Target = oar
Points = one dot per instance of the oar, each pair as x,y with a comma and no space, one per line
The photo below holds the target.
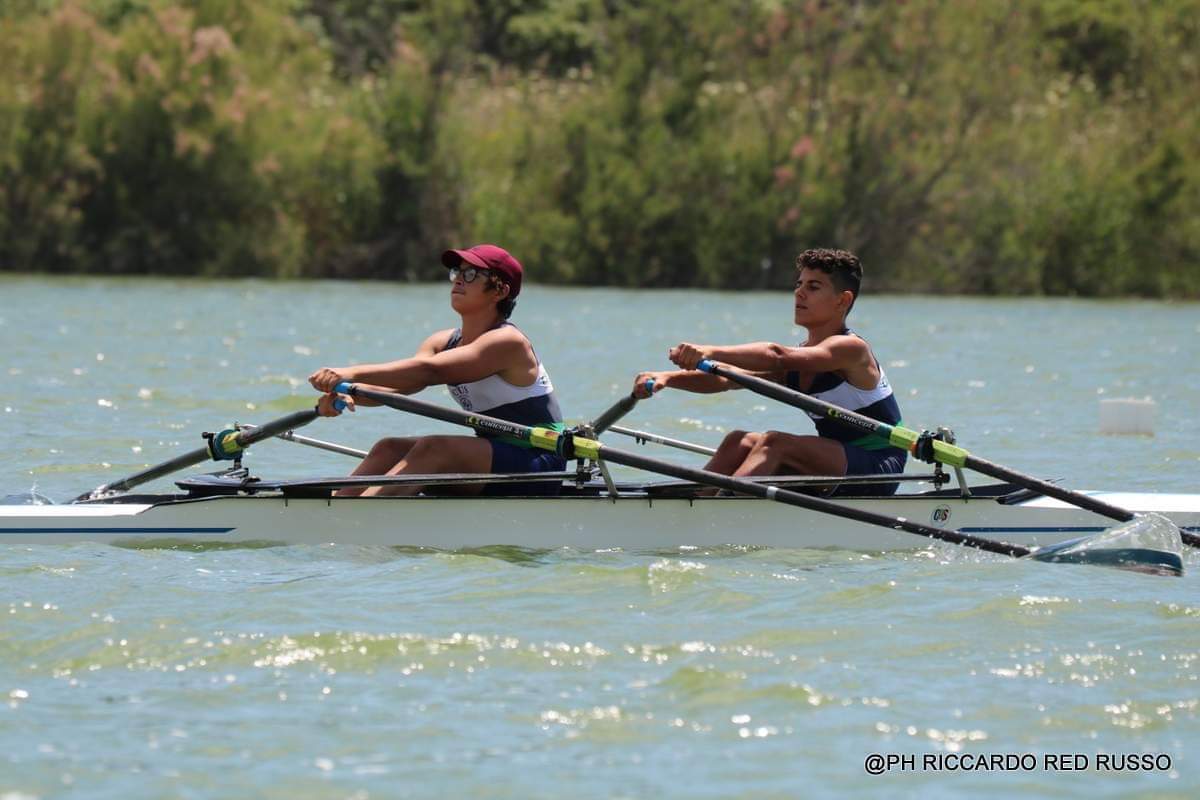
619,409
932,449
605,421
223,445
570,446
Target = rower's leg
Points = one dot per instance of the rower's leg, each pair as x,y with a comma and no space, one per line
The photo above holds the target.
430,455
384,455
733,450
778,453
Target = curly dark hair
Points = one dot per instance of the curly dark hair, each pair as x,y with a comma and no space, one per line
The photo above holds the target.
841,265
504,307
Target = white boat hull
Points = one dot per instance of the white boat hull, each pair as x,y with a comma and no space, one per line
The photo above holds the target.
585,523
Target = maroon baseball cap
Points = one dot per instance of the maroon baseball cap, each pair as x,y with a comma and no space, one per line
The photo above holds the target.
489,256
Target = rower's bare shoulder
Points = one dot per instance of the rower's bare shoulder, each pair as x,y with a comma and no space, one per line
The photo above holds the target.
436,342
509,344
849,348
505,337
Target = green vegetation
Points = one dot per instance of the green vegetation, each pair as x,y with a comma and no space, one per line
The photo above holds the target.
975,146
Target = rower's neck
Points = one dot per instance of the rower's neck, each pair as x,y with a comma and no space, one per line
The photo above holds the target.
821,332
476,325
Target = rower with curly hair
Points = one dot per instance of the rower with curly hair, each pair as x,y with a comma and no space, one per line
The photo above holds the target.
833,364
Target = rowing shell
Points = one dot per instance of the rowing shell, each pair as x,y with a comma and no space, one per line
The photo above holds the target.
634,519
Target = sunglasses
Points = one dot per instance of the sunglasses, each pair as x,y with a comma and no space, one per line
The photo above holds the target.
469,274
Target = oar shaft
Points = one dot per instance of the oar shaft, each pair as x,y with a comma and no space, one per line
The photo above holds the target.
546,439
543,438
618,410
241,440
805,501
297,419
900,437
1049,489
188,459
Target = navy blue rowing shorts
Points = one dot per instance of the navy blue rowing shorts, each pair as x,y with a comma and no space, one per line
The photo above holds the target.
508,458
888,461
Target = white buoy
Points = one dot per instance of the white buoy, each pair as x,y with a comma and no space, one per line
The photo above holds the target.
1128,415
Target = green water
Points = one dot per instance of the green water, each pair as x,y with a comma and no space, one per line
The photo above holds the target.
343,671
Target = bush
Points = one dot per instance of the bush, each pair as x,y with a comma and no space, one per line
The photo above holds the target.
976,147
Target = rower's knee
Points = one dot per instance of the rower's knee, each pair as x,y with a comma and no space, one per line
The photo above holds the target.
769,440
736,445
391,446
732,438
740,439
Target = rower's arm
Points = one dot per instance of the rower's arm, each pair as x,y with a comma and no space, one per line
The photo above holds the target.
692,381
324,379
754,356
833,354
493,352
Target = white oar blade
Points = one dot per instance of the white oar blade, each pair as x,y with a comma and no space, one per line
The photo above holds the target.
1150,543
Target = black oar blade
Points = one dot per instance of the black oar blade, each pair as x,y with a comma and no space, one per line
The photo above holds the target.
1149,543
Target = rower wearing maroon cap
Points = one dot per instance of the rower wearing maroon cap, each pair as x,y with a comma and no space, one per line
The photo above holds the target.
489,367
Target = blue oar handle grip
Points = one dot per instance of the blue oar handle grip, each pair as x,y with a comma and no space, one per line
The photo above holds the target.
344,387
649,384
706,366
